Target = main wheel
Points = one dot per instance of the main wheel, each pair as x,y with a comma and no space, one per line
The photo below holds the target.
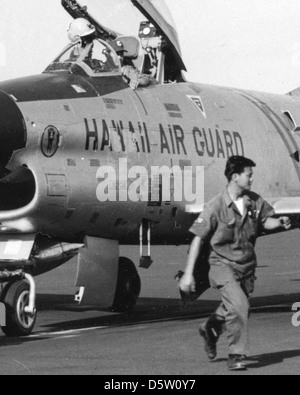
15,298
128,287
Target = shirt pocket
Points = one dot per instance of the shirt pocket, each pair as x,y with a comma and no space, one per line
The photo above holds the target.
225,233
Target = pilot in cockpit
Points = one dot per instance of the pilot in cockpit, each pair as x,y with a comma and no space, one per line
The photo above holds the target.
103,56
131,74
83,32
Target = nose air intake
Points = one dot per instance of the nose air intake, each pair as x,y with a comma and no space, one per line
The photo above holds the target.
13,134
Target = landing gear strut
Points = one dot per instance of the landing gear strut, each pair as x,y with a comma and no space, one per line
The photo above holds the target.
19,300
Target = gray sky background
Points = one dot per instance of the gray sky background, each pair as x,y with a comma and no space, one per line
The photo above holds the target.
251,44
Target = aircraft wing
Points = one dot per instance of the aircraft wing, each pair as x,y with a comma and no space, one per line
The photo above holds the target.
194,209
289,206
286,205
77,11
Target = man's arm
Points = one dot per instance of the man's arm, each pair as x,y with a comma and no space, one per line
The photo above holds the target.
203,229
187,283
268,222
277,223
134,78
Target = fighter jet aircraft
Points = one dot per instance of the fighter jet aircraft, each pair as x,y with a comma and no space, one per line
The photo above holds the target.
88,162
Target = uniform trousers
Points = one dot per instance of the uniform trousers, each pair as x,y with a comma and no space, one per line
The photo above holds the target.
233,314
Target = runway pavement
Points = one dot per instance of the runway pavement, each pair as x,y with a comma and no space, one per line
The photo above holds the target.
161,337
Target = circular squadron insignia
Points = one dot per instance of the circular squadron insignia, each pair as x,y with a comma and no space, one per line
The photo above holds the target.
50,141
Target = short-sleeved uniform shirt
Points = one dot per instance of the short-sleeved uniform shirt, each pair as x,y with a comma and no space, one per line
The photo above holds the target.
231,235
134,78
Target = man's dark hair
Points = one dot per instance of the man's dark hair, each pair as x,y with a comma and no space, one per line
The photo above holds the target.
237,165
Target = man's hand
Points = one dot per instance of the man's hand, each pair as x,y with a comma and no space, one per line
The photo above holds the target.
187,284
153,72
285,223
278,223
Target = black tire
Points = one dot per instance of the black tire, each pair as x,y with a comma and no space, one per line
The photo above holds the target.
15,297
128,287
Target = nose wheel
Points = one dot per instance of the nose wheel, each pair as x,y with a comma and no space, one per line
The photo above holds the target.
19,322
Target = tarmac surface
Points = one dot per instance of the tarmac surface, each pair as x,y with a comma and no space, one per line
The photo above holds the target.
161,337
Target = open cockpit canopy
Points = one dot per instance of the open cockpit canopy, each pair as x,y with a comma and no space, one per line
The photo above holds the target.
149,21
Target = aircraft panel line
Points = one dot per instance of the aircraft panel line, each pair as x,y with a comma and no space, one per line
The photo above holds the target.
284,139
275,115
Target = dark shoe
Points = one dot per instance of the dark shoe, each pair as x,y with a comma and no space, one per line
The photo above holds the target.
210,341
236,363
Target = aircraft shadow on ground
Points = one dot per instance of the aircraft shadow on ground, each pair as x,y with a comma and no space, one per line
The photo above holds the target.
151,310
147,309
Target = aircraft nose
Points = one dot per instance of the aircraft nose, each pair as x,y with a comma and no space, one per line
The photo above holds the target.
13,134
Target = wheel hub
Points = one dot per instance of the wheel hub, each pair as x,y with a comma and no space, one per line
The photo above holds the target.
26,320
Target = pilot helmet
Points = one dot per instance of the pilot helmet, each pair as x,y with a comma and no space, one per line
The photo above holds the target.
80,28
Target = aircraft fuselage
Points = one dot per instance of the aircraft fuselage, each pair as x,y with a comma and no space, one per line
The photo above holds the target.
75,125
